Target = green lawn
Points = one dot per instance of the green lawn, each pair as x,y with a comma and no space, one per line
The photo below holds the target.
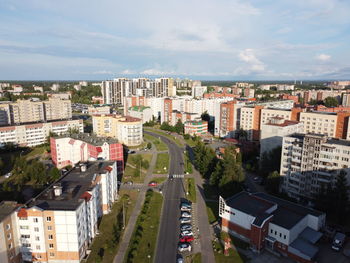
160,145
39,150
213,211
105,245
196,258
191,188
191,142
132,173
177,141
233,256
144,238
162,161
188,164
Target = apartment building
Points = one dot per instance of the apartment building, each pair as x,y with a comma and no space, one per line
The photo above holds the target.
310,162
37,133
126,129
267,222
346,100
59,225
26,111
141,112
229,121
198,91
83,147
273,131
9,240
197,128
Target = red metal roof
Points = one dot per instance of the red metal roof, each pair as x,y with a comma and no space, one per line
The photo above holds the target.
98,149
22,213
87,196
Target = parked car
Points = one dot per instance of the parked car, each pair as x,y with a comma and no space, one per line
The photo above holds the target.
186,239
186,233
184,247
129,183
185,220
185,208
185,204
185,227
131,151
338,241
179,259
8,175
152,184
186,214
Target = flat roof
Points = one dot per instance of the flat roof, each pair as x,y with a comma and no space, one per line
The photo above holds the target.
91,139
248,203
6,208
74,185
139,108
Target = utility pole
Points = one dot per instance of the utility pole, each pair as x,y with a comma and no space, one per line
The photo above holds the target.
123,215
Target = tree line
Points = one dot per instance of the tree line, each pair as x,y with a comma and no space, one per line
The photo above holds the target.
226,174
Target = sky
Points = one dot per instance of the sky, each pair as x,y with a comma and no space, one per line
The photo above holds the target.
198,39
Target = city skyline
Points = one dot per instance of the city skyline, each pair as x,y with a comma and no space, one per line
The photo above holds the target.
42,40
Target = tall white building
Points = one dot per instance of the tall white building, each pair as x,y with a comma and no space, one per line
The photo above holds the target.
310,162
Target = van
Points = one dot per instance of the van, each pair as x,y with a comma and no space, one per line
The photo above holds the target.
338,241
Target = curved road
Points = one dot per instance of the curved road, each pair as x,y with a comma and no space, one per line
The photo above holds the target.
173,191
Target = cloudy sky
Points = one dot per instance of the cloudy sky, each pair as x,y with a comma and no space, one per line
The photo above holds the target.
203,39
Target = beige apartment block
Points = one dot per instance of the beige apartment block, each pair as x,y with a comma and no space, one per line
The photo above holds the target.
319,122
126,129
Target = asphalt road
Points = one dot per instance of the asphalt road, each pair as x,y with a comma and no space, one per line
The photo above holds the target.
173,191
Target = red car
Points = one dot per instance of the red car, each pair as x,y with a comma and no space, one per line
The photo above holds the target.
186,239
152,184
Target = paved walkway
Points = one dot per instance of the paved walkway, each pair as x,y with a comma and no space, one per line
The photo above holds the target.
125,240
206,233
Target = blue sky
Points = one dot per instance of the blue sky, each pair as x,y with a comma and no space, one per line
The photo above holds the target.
202,39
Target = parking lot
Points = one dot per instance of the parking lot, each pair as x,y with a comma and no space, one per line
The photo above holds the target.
193,234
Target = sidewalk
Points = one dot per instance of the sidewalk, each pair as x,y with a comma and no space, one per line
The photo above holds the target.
124,244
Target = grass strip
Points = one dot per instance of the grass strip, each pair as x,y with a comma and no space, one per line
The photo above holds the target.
144,239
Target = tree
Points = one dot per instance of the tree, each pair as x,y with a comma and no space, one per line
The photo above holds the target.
331,102
216,176
341,197
179,127
54,174
242,134
273,183
149,145
205,116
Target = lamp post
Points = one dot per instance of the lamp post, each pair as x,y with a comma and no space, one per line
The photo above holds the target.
149,258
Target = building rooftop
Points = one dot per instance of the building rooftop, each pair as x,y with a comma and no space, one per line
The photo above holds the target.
90,139
286,215
249,204
6,208
73,185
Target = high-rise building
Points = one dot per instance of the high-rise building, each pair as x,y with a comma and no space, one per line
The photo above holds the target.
309,162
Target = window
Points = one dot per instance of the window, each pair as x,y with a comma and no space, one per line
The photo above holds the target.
275,232
8,227
10,245
38,256
35,220
280,234
24,227
271,231
49,228
25,236
37,238
50,237
9,236
285,236
50,245
48,218
52,254
23,218
37,247
36,229
26,245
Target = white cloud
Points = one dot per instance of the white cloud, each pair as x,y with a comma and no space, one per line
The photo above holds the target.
102,72
323,57
248,56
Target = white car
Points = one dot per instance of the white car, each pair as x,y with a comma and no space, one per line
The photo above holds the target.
184,247
186,227
185,220
186,233
184,208
186,214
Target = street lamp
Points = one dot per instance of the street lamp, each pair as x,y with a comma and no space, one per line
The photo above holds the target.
149,258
